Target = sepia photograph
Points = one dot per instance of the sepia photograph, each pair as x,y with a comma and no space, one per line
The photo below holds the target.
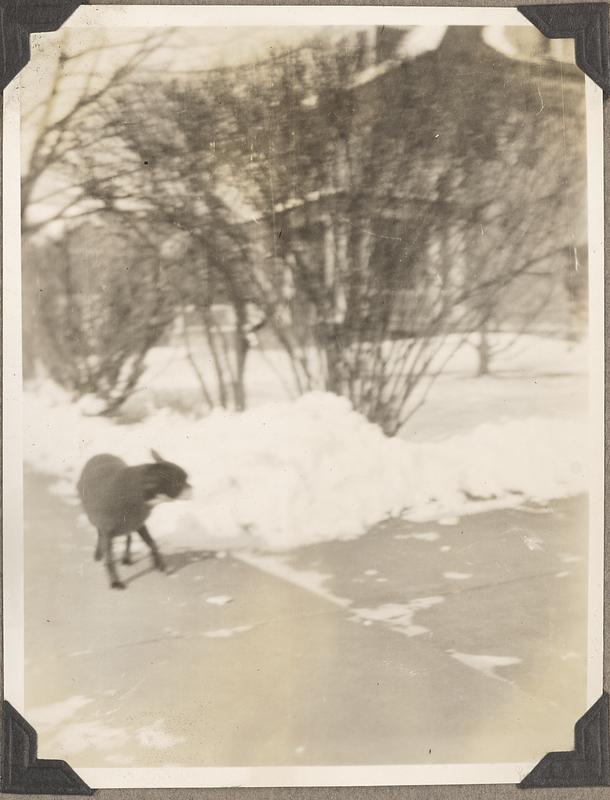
304,335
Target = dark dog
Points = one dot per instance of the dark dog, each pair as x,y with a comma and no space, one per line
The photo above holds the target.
118,499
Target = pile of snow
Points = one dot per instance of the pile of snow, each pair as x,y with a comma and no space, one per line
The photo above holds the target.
292,473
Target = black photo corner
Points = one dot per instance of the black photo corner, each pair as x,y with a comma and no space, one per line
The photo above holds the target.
22,772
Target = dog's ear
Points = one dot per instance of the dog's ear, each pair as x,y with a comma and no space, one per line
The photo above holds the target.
157,457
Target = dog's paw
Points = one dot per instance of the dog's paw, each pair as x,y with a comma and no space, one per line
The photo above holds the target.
118,585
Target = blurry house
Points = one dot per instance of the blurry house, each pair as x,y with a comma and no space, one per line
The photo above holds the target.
467,98
471,87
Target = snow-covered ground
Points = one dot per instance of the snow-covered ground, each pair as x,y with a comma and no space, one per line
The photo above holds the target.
292,472
537,376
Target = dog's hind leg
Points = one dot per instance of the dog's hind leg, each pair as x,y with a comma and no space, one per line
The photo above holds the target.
115,581
127,554
99,548
159,563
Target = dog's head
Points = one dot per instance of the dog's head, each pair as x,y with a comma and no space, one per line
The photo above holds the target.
166,481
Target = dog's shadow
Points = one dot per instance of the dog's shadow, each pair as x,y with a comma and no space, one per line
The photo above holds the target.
174,563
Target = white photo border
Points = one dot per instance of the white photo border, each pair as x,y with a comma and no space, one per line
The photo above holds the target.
13,558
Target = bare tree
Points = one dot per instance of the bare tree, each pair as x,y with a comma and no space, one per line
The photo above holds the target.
103,299
61,93
56,112
163,172
373,238
403,233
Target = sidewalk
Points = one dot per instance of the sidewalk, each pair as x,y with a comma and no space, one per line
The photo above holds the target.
425,643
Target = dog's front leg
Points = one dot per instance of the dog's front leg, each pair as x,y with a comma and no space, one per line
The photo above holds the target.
115,581
157,558
127,554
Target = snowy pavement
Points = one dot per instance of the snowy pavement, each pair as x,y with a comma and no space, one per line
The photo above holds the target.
461,640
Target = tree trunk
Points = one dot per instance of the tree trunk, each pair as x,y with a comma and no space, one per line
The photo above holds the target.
484,352
242,346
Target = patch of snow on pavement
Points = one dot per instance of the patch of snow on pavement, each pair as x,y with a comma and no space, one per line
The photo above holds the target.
155,736
533,542
570,655
399,616
485,664
310,580
226,633
95,735
219,600
427,536
48,716
566,558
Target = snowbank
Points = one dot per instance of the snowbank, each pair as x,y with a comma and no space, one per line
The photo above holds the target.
292,473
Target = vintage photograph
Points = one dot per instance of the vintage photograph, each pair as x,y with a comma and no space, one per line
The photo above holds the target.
311,443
